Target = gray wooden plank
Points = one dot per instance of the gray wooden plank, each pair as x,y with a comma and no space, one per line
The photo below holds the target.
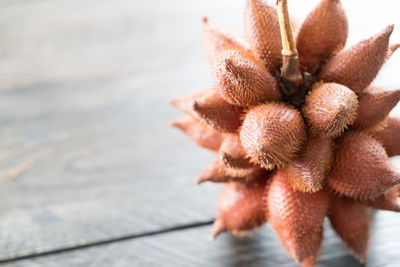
83,113
104,176
262,248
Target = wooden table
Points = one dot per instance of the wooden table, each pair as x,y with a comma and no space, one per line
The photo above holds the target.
91,175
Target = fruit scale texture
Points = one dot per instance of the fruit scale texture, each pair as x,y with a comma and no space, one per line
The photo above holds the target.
293,165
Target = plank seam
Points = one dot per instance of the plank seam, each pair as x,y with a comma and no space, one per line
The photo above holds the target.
107,241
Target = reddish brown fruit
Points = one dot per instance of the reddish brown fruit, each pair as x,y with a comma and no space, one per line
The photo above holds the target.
389,134
351,221
307,172
255,117
209,106
272,134
323,32
236,160
329,109
296,216
309,262
202,135
217,113
240,207
386,201
261,28
361,168
392,49
185,103
217,172
242,82
215,41
232,154
357,66
374,104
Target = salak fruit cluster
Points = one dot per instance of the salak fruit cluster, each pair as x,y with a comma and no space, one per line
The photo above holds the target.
292,160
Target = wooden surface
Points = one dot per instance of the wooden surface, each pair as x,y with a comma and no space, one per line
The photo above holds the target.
191,248
86,155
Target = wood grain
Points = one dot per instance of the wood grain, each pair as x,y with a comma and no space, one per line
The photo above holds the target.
191,248
84,109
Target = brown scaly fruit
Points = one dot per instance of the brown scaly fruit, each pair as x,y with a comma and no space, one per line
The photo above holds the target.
296,216
240,207
388,133
374,104
351,220
308,171
329,109
298,131
359,161
323,32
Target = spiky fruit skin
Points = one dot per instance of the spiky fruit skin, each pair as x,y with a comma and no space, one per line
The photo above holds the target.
240,207
232,153
242,82
216,41
329,109
293,158
374,104
368,56
359,160
389,135
323,32
262,33
351,220
307,173
204,136
218,113
296,216
267,144
386,201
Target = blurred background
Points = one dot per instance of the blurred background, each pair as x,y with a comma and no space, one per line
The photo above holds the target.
87,157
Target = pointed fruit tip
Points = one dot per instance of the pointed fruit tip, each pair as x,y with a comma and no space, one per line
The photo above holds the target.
389,29
175,123
308,262
393,48
173,101
202,179
228,64
196,106
181,104
218,228
362,258
204,20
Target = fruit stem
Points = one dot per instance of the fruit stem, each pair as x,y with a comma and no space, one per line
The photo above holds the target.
290,71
